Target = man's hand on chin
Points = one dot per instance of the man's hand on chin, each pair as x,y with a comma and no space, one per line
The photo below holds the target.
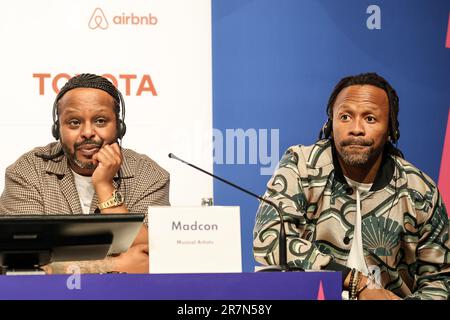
109,159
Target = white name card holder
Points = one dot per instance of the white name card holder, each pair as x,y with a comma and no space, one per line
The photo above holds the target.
194,239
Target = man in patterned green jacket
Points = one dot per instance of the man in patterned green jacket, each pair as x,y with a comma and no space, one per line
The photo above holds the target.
351,203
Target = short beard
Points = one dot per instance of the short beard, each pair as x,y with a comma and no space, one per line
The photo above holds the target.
72,157
83,165
359,159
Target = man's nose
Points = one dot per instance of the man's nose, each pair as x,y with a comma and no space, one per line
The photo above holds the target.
357,128
87,131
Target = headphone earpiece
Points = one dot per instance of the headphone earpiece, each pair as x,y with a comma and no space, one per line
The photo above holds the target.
396,136
326,129
394,132
121,126
55,125
55,130
121,129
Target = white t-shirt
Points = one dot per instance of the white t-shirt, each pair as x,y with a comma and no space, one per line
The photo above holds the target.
356,257
85,190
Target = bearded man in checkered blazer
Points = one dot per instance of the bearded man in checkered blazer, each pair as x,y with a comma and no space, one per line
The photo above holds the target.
87,172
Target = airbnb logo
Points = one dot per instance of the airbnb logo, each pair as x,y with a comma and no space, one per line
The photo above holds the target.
98,20
130,84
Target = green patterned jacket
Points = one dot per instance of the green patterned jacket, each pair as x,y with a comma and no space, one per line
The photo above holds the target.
405,226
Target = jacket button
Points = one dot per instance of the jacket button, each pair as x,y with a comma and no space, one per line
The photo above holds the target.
349,190
346,240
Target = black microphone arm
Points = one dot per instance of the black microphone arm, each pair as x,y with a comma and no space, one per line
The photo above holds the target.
282,238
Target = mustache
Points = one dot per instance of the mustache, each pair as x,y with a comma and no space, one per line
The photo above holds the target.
357,142
96,143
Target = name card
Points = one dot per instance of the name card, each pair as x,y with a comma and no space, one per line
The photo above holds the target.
194,239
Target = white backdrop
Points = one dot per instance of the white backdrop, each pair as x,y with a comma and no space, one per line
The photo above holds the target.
170,46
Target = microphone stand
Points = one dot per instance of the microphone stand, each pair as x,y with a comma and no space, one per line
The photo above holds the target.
282,238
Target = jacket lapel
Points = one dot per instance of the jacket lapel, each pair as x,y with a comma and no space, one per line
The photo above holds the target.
59,167
69,191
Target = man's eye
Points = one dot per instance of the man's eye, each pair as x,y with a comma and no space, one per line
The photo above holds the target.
74,123
370,119
100,121
345,117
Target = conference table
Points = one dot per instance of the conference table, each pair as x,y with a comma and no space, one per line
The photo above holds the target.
205,286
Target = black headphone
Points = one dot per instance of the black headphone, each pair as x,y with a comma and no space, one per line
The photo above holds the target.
394,132
121,126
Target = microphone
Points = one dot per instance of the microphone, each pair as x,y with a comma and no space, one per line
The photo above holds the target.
282,238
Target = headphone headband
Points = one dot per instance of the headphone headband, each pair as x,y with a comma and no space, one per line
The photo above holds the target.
394,133
86,81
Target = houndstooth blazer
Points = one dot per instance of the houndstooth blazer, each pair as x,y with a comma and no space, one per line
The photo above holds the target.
34,185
